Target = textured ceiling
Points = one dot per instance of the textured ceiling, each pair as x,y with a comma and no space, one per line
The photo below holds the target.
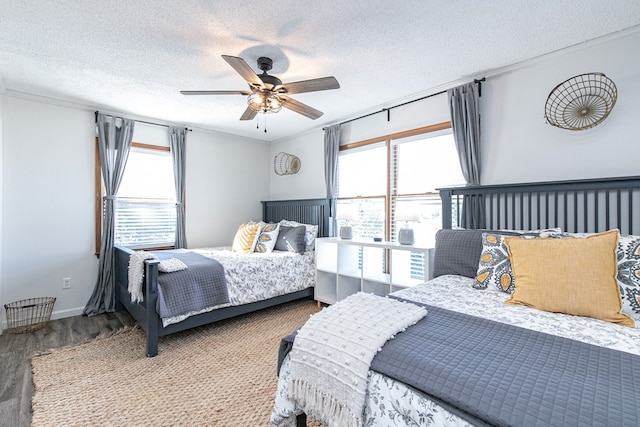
133,58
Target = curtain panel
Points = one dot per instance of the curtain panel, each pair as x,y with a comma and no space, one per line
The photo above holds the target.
331,150
465,123
177,143
115,136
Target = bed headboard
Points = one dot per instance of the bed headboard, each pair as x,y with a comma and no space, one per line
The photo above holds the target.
306,211
578,206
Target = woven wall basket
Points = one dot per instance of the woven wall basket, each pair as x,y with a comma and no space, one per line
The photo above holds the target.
581,102
286,164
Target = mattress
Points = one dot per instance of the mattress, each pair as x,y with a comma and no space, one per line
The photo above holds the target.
390,402
257,276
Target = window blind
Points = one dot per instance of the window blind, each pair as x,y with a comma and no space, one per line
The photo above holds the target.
144,223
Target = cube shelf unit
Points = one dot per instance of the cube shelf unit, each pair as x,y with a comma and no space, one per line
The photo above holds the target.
345,267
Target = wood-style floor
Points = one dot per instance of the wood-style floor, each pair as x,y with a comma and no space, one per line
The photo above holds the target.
16,385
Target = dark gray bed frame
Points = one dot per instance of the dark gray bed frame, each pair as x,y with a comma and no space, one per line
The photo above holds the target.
578,206
307,211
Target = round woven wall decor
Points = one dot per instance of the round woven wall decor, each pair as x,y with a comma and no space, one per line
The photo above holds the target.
286,164
581,102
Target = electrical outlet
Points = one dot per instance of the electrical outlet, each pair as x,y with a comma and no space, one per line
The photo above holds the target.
66,283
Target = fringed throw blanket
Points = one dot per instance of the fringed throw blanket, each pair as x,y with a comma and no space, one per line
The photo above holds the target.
136,274
332,353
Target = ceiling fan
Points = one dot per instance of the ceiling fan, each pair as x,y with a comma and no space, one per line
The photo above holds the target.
267,93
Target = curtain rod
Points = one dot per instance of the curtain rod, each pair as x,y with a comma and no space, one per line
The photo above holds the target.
388,110
148,123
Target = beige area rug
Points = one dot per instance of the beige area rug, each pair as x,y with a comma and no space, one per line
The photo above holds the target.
218,375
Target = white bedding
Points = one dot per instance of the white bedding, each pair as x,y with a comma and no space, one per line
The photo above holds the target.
258,276
390,402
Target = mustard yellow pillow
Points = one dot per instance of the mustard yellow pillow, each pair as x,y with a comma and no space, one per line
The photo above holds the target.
245,238
573,276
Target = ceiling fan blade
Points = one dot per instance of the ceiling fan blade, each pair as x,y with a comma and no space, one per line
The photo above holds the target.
244,70
248,114
215,92
313,85
299,107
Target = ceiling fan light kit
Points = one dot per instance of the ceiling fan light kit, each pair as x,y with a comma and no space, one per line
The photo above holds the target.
264,103
581,102
267,93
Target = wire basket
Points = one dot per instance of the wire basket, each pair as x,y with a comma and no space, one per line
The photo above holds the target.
286,164
29,315
581,102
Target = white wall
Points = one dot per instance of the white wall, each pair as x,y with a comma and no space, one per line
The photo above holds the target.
48,219
517,144
308,183
226,180
48,197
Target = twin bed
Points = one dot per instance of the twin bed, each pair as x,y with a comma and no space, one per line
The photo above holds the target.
255,281
473,359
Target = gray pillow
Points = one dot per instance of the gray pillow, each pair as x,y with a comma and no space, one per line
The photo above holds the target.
291,239
457,252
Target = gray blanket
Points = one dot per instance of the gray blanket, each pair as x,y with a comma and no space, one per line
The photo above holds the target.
503,375
491,373
201,285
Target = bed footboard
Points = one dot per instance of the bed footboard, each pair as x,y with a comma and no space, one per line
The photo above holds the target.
148,319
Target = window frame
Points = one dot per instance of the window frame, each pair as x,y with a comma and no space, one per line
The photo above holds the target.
100,192
388,139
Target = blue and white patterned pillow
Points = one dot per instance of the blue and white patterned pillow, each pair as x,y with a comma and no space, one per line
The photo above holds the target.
629,275
494,267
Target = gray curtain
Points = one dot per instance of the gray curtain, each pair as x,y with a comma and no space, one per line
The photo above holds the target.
465,121
177,140
331,149
114,142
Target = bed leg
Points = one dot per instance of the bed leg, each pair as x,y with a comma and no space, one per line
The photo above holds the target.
152,346
319,305
301,420
151,296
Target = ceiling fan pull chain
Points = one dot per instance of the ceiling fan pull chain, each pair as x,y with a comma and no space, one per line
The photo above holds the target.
265,123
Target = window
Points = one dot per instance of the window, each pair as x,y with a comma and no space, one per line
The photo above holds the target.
145,206
386,179
396,176
362,183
